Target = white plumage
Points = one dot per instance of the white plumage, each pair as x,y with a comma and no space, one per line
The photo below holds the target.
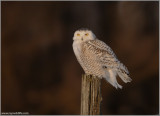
98,59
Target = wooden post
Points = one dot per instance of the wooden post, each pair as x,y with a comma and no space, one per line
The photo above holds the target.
91,95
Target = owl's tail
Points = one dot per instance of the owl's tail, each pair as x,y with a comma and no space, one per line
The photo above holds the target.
111,78
124,76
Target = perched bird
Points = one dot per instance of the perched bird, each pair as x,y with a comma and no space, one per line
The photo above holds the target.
97,58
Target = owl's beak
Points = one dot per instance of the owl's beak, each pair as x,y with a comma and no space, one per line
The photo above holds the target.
82,38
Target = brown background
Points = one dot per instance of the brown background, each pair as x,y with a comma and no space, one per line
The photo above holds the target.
40,73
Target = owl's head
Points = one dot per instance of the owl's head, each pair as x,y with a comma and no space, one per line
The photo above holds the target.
83,35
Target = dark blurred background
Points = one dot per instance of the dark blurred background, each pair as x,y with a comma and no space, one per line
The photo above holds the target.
40,73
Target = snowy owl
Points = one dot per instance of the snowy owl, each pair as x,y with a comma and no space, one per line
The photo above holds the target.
97,58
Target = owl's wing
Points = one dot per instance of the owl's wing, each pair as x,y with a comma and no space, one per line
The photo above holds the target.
106,51
104,54
101,45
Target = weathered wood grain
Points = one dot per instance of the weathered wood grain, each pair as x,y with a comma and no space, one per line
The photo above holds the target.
91,95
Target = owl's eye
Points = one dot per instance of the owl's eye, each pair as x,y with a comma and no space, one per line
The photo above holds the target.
78,34
86,34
